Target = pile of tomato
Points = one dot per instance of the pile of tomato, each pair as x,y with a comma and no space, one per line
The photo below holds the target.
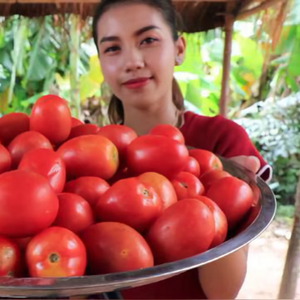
76,199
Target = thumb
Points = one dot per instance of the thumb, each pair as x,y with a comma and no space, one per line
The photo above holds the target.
252,163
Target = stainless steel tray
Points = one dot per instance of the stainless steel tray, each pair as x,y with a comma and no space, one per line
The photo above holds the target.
88,285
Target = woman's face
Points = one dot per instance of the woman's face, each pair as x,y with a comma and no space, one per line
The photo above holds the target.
137,54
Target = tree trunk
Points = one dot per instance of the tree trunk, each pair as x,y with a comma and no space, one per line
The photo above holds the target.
292,263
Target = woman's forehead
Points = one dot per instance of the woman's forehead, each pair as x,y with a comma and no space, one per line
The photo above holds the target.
128,18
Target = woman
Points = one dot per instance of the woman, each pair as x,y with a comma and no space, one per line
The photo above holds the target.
139,45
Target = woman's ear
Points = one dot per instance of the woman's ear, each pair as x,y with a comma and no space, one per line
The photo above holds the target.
180,50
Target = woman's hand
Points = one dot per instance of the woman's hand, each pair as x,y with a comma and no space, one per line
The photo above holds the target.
252,163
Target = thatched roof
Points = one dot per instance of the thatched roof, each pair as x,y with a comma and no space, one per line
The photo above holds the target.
198,15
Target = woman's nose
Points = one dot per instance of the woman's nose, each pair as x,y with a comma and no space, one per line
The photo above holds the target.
134,60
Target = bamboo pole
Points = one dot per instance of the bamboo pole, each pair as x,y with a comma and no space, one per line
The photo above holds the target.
74,65
292,263
224,98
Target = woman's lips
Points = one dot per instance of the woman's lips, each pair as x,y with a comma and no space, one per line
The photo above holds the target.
137,82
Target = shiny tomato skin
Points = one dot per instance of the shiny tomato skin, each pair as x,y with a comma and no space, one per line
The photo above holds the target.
185,229
84,129
75,122
28,197
233,196
187,185
162,186
89,188
209,177
47,163
56,252
11,125
120,135
130,202
74,213
89,155
25,142
221,225
115,247
5,160
207,160
51,117
10,258
154,153
192,167
168,131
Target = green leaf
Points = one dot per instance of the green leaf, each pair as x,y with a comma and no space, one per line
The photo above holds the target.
251,55
40,66
294,64
5,59
291,82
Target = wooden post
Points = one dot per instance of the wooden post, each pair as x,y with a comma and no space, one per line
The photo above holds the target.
292,263
224,99
74,63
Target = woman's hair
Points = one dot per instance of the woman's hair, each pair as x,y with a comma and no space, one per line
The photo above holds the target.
115,110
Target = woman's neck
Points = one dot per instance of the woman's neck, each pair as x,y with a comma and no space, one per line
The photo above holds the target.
142,121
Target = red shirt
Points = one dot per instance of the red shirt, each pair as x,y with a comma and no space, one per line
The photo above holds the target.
222,137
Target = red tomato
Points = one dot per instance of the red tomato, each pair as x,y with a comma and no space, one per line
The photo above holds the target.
84,129
221,226
120,135
154,153
25,142
90,155
56,252
75,122
162,186
192,167
47,163
185,229
74,213
115,247
168,131
187,185
89,188
10,258
211,176
11,125
233,196
51,117
28,204
5,160
207,160
130,202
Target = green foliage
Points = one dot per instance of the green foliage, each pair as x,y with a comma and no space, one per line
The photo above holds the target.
47,55
274,126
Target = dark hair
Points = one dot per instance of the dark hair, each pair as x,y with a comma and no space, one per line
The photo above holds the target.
115,110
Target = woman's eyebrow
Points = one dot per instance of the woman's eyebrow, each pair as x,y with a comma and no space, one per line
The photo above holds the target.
114,38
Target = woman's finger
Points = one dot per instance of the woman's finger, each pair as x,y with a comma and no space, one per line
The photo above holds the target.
252,163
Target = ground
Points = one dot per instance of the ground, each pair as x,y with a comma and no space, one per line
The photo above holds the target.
266,262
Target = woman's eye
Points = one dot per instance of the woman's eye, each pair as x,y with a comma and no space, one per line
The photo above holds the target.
148,41
112,49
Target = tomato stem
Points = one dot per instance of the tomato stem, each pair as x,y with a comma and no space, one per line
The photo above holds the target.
53,258
145,193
